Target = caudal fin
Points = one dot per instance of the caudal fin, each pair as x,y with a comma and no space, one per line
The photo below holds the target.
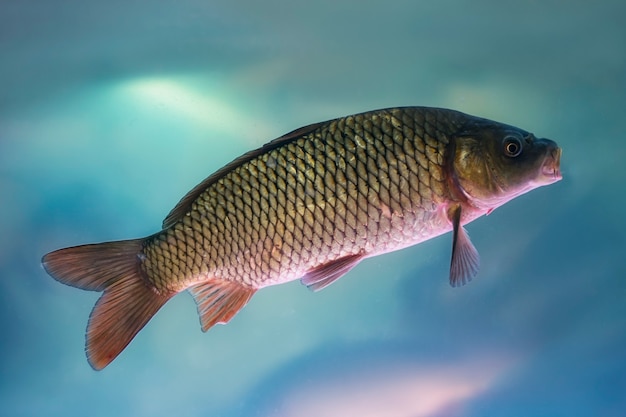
126,305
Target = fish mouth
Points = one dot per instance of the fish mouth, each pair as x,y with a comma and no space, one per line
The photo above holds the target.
551,167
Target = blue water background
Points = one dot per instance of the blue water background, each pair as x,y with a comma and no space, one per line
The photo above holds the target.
110,111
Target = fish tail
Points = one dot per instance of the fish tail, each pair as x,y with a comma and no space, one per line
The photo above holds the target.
128,301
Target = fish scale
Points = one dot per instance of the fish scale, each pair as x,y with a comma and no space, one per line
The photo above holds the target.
309,205
329,190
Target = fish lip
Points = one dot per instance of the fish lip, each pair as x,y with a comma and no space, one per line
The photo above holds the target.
551,166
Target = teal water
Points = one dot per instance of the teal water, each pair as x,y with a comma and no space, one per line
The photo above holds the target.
111,111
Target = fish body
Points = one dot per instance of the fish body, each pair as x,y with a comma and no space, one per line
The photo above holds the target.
310,205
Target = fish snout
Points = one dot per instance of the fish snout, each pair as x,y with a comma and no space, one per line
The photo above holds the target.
551,166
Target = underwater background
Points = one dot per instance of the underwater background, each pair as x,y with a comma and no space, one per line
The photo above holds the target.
111,111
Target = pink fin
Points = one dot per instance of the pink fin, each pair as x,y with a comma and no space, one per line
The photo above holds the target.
323,275
128,302
465,260
218,301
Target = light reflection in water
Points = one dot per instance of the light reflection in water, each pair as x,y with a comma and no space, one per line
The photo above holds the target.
401,389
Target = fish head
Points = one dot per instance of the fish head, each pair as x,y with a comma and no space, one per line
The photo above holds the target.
494,163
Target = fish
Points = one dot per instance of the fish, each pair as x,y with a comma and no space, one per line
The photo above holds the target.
309,205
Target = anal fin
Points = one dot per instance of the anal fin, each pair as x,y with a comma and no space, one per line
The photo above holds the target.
218,301
323,275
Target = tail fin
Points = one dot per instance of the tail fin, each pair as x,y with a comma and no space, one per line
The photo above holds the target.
128,303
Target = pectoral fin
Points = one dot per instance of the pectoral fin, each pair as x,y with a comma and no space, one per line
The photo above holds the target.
465,260
322,276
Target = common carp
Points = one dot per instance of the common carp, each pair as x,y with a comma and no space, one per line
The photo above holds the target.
309,205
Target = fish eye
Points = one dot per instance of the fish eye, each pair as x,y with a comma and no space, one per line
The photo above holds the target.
512,146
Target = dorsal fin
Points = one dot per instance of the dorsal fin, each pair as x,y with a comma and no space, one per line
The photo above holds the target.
184,205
